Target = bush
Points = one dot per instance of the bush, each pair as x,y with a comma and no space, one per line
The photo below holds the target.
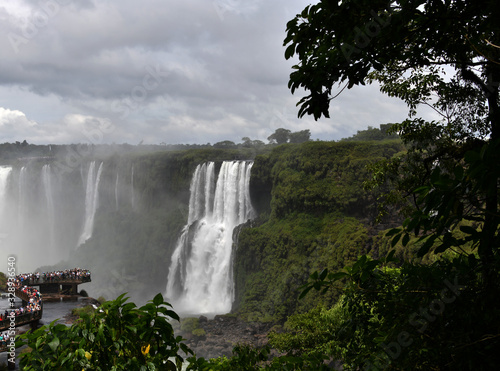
116,336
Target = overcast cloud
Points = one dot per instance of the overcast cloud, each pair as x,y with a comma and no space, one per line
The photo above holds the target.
179,71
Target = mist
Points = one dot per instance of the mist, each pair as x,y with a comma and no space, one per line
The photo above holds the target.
47,211
117,210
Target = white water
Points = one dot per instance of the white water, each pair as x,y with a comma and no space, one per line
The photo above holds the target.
4,177
116,192
132,196
91,201
47,187
200,277
23,193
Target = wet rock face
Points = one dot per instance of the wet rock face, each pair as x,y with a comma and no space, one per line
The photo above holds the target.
222,333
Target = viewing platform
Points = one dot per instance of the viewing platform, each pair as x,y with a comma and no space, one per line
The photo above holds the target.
31,288
61,287
56,286
23,319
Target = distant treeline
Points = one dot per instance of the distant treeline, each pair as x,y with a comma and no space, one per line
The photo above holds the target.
22,150
373,133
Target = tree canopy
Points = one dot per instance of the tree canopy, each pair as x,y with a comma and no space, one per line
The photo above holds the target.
344,41
444,55
281,136
409,47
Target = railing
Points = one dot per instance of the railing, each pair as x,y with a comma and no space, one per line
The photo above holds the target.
20,320
22,295
42,281
9,322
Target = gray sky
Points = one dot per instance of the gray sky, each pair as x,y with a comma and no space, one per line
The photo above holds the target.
178,71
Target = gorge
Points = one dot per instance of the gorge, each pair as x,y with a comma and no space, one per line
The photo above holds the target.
162,221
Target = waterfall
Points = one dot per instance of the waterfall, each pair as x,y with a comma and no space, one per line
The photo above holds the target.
22,195
91,201
47,187
132,195
116,191
4,178
200,276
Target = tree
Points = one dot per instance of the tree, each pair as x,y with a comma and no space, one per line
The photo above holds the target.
280,136
247,142
372,133
404,45
225,144
300,136
448,181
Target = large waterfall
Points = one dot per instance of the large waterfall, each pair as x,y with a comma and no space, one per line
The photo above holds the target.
91,201
200,276
47,186
4,228
23,194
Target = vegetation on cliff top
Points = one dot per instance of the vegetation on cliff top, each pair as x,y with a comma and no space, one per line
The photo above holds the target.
314,213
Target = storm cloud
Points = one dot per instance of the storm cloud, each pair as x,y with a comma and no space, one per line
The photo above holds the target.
190,71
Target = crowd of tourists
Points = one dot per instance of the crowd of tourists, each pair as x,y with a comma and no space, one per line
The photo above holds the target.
4,339
34,303
75,274
31,307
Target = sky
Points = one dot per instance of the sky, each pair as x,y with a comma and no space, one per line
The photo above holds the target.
153,72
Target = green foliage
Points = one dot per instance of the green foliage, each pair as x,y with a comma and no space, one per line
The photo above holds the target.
414,317
3,282
281,136
318,177
300,136
447,183
86,310
245,358
274,260
310,333
189,324
308,223
373,134
451,167
101,299
343,42
117,336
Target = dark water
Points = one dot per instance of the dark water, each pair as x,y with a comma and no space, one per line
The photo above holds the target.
51,312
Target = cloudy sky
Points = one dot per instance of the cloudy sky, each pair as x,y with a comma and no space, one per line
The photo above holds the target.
153,71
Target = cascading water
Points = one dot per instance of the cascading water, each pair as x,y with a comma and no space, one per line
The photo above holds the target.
23,193
46,213
4,177
116,192
132,193
91,201
200,276
47,187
